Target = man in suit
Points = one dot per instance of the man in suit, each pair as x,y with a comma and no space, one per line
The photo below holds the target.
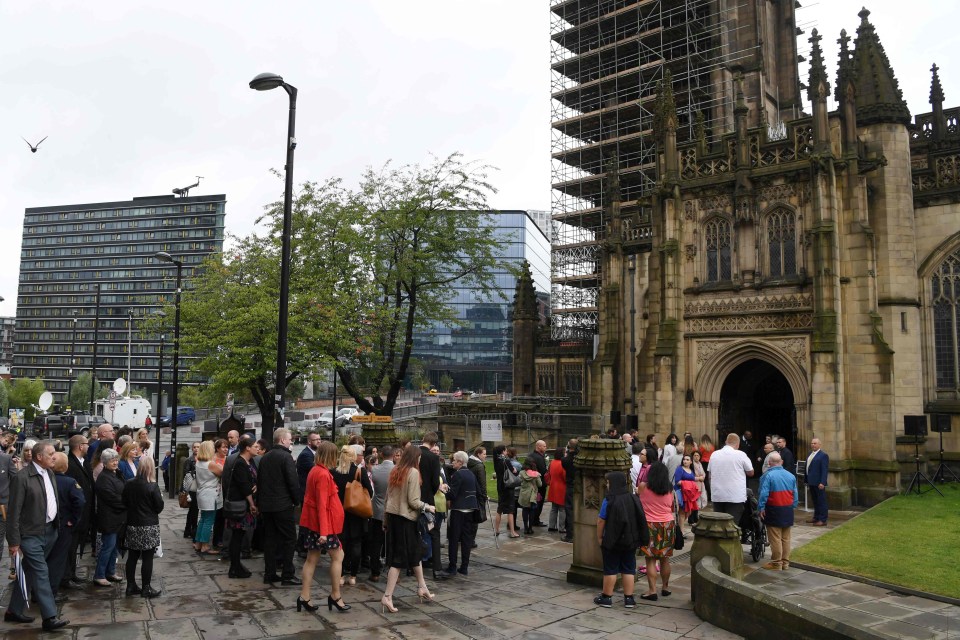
75,469
32,532
817,463
381,478
305,462
7,469
430,484
278,493
233,440
71,504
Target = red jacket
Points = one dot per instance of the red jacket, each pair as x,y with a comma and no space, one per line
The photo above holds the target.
322,509
558,483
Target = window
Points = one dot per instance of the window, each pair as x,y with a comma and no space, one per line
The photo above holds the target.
782,243
945,287
717,234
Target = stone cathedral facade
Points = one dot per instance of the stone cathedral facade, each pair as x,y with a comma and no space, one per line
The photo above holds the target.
802,280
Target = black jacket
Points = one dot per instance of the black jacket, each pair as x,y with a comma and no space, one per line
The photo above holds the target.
237,473
429,475
143,502
789,461
540,460
626,524
278,487
81,475
111,512
463,491
71,502
305,462
27,510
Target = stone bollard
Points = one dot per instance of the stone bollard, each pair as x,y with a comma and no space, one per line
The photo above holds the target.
595,459
380,434
718,536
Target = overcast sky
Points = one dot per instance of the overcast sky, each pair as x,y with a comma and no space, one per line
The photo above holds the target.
140,97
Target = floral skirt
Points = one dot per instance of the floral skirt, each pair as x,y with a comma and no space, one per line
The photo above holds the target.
661,540
313,541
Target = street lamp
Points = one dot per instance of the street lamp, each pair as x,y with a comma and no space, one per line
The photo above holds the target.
163,256
156,448
96,329
73,356
265,82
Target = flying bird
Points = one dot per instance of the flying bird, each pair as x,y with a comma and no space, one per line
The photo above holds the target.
33,147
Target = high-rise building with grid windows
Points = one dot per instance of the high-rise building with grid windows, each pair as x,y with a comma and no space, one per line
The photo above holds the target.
70,251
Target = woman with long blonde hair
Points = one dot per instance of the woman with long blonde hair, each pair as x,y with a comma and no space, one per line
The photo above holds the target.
353,525
402,509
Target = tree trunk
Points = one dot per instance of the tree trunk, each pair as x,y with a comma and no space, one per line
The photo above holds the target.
264,399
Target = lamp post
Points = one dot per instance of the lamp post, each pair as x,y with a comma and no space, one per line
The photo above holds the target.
129,346
265,82
156,448
73,356
163,256
96,329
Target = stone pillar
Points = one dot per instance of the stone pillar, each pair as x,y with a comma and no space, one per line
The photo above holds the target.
718,536
380,434
595,459
179,463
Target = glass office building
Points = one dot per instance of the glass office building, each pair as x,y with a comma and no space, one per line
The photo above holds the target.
69,252
478,354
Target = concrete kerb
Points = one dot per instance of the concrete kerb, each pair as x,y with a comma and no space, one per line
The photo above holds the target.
926,595
745,610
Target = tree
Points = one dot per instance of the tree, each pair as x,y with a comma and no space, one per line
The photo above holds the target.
445,383
4,399
418,377
427,231
80,392
24,393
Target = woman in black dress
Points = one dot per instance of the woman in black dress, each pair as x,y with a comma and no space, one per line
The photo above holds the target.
238,482
141,497
403,540
354,527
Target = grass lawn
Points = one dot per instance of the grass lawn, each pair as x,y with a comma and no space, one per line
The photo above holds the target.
491,480
908,540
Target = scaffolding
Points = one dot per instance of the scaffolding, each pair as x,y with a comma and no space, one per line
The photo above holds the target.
607,57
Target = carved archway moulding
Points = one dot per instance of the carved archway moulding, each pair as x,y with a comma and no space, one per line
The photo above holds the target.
716,360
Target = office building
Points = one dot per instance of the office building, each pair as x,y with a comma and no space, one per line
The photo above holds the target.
6,346
74,255
477,355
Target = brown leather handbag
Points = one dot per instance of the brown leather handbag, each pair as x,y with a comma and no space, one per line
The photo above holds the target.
356,500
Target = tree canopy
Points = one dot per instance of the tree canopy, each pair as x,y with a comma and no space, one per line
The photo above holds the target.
368,267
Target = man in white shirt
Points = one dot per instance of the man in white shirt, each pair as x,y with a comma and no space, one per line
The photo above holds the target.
635,464
729,470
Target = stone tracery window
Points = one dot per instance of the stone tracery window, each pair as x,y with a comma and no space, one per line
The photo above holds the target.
718,249
945,287
781,243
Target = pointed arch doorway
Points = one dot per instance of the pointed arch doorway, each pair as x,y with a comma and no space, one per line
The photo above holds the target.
757,397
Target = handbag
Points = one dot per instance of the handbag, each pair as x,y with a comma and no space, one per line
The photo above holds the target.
677,530
356,500
233,509
511,480
190,481
184,499
440,501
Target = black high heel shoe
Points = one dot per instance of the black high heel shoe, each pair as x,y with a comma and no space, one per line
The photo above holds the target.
305,604
331,603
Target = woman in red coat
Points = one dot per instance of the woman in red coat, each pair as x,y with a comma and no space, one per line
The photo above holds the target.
557,493
321,522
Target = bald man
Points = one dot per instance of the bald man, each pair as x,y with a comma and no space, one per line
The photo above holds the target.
539,457
778,499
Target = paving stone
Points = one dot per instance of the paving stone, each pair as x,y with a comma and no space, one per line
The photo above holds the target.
245,601
676,620
573,631
188,585
166,607
427,629
177,629
921,604
935,621
131,610
281,623
82,612
599,620
241,627
506,628
906,631
707,631
883,609
121,631
647,633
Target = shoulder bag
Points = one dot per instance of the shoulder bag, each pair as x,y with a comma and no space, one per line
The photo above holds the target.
677,530
356,500
511,480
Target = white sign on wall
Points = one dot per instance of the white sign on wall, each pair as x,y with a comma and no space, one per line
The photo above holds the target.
491,430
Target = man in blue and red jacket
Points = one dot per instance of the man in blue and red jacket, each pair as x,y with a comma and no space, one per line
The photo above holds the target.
778,499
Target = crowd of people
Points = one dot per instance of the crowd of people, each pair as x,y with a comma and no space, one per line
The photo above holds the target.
366,508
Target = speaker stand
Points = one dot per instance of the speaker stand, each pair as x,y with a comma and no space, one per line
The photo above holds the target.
918,478
940,475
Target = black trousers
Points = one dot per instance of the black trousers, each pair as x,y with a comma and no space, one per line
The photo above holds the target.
352,554
733,508
146,567
435,543
193,514
462,531
537,509
375,546
568,509
279,535
57,558
76,537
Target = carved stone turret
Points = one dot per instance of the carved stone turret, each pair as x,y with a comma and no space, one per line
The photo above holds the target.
879,99
936,102
525,322
592,462
846,95
817,90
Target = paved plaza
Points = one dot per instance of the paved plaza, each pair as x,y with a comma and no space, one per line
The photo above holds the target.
516,591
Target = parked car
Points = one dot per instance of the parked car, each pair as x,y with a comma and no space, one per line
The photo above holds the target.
325,419
344,415
185,415
55,425
84,423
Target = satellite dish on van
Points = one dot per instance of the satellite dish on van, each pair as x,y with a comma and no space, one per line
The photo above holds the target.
119,385
46,400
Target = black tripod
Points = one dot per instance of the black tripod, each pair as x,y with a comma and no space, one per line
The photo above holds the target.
943,470
918,477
